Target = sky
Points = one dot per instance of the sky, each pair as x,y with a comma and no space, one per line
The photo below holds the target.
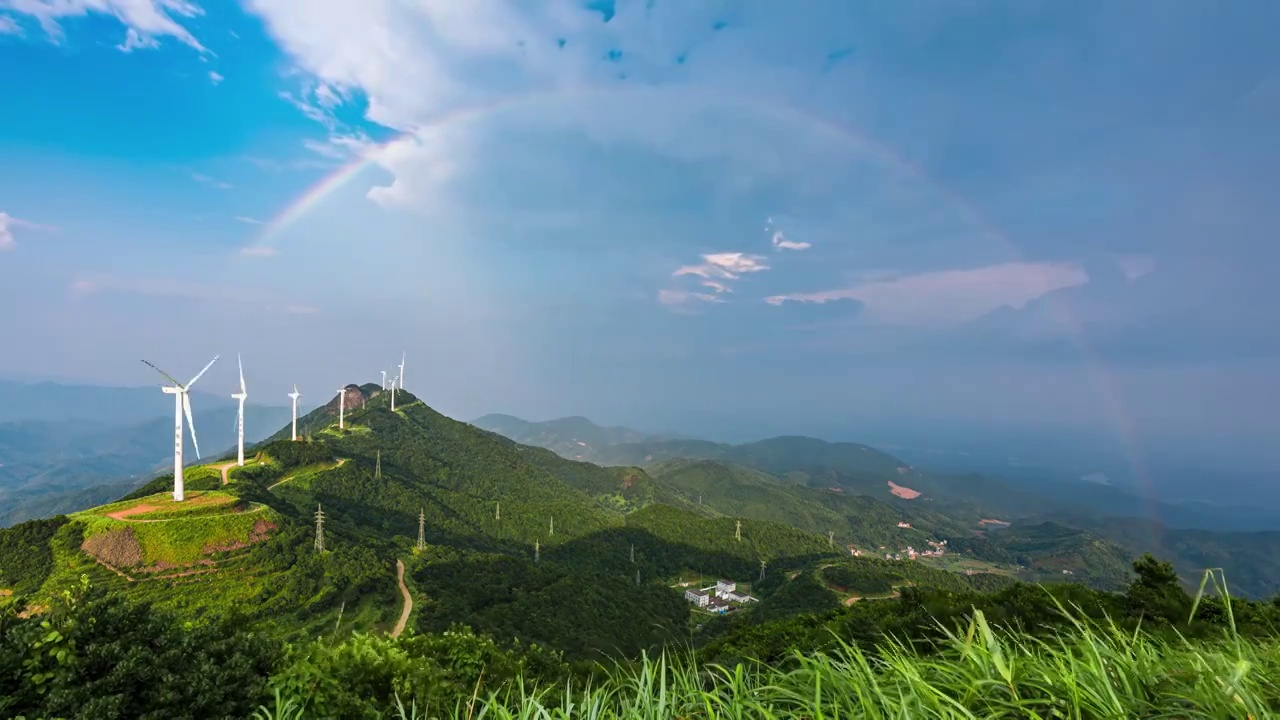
730,219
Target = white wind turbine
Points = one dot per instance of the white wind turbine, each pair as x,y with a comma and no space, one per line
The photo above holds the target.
393,393
342,406
241,396
400,377
384,379
181,406
294,395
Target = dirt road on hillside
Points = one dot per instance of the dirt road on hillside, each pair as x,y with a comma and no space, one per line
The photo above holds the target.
224,469
408,601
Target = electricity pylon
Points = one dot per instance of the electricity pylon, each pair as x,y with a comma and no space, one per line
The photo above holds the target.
319,529
422,530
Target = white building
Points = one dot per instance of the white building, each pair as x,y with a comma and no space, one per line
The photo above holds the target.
725,587
697,597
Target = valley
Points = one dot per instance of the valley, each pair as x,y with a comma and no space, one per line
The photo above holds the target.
538,550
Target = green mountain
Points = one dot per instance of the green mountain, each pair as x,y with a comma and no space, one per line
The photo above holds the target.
515,536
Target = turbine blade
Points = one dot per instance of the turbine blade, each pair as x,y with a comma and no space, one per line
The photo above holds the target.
191,424
241,365
165,374
206,367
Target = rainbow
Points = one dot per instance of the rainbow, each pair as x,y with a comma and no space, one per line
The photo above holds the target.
1104,381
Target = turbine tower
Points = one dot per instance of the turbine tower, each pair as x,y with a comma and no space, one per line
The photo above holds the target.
393,393
241,396
181,406
384,379
400,377
342,406
294,396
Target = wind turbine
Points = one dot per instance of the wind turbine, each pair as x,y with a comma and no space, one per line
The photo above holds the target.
342,406
400,377
295,395
393,393
181,406
241,396
384,379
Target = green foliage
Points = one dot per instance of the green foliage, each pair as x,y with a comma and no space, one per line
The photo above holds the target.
1085,669
579,609
25,556
845,579
97,655
1156,594
365,675
200,477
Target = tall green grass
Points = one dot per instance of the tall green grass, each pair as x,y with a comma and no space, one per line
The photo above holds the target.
1085,670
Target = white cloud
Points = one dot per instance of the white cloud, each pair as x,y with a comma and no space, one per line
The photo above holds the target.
950,296
717,272
680,297
258,251
340,146
780,242
134,41
727,265
8,222
248,220
6,235
214,77
327,96
211,182
9,26
1135,266
144,20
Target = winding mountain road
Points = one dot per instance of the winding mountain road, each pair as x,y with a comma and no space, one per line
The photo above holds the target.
408,601
224,469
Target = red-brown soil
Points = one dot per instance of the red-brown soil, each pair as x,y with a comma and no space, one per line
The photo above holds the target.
902,491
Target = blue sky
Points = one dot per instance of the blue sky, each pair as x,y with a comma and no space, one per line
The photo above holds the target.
727,218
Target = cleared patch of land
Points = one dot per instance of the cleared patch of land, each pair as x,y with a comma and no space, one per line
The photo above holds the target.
135,510
987,521
902,491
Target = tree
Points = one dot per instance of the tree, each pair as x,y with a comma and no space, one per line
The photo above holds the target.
1156,593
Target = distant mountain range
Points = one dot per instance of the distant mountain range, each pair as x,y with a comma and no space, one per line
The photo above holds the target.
576,438
67,447
1193,536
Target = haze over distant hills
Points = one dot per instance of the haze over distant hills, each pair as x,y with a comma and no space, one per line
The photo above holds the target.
67,447
573,437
